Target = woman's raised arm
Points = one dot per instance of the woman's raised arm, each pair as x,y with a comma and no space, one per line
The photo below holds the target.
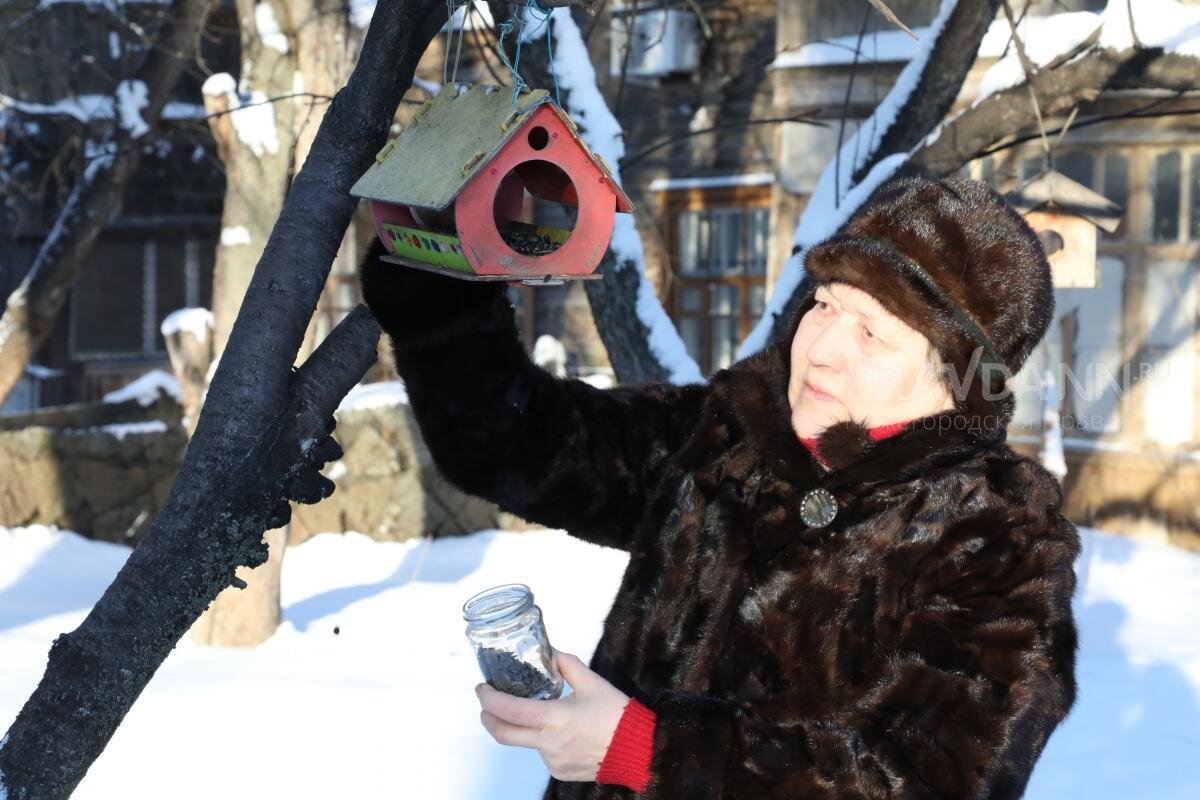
555,451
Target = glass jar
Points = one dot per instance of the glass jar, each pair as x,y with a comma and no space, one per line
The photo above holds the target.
506,630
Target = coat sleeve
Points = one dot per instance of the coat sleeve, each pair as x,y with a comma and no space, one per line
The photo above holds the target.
961,708
558,452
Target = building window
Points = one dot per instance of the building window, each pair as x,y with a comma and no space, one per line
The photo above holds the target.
1168,361
1165,197
129,288
1175,197
1088,371
1115,186
720,286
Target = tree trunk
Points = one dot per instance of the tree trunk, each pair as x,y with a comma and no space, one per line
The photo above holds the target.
258,167
259,442
256,143
249,616
282,59
939,84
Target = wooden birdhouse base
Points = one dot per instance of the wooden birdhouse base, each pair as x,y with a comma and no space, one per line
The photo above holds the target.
541,280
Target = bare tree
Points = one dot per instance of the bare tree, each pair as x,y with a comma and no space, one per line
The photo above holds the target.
260,440
1077,76
31,310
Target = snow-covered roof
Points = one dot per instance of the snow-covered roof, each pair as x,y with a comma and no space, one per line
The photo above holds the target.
1168,24
713,181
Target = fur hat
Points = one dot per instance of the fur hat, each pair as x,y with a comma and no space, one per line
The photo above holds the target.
955,262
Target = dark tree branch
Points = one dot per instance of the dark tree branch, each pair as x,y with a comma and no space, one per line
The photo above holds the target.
837,164
261,438
1090,121
1058,88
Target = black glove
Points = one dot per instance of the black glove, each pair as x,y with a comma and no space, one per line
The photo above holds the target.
414,303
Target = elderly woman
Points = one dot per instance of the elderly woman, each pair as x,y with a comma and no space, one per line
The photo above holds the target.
842,582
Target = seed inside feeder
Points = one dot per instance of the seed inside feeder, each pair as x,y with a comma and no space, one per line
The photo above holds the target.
529,240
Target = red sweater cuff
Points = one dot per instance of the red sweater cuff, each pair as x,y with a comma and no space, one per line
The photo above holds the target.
627,761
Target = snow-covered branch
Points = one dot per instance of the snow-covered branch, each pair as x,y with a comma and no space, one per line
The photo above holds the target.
1076,56
1079,56
880,145
658,352
135,108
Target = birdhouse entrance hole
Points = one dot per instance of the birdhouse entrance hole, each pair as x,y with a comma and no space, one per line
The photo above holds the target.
539,138
536,206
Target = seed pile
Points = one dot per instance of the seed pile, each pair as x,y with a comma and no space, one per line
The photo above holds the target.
507,673
529,244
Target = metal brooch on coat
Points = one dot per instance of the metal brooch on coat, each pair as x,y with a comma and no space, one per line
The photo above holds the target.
818,508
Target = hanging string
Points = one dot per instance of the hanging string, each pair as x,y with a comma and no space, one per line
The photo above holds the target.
1030,70
449,35
530,8
452,8
518,83
462,34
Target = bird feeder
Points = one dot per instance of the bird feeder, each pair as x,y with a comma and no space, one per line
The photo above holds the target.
472,188
1065,215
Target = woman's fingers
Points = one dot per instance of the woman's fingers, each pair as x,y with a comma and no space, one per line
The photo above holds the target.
522,711
573,670
507,733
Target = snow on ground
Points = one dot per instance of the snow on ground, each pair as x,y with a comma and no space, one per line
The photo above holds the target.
385,707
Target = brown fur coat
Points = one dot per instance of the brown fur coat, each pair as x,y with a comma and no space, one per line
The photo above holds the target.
921,645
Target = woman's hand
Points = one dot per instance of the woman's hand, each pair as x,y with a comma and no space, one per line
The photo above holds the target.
572,734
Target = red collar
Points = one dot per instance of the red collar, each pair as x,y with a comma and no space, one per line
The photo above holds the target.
876,433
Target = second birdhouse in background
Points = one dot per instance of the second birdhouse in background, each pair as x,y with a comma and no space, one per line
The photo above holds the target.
482,189
1065,215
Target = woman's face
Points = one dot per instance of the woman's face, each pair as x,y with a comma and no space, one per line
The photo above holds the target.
852,359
